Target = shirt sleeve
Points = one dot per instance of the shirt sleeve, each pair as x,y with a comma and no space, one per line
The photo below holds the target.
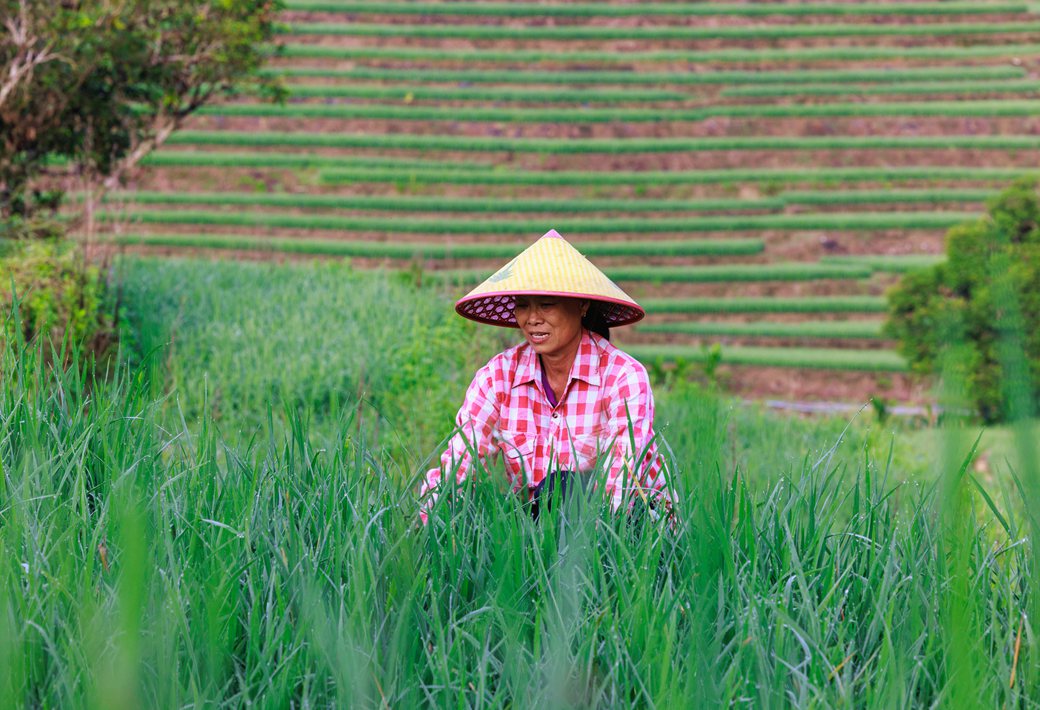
475,422
635,466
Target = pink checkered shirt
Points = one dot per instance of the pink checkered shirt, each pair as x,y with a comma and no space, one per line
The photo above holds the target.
506,410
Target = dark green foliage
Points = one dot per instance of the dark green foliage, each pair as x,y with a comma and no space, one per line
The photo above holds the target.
962,300
102,83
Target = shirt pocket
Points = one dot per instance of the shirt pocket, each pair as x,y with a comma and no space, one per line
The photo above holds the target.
586,450
518,454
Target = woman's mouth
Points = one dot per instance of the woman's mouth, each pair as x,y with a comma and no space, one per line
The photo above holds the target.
538,338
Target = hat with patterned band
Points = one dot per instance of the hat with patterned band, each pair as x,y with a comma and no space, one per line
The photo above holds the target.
549,267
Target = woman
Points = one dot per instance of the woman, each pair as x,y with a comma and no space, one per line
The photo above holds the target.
565,401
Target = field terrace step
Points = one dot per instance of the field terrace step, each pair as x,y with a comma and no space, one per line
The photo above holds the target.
425,251
420,203
993,86
893,263
731,78
422,92
562,33
562,114
801,271
602,145
656,9
299,161
830,221
836,330
770,304
832,176
425,203
808,358
525,57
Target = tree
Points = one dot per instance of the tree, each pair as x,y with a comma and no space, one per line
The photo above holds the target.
984,300
96,85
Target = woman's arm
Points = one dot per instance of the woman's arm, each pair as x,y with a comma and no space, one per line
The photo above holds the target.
475,423
635,466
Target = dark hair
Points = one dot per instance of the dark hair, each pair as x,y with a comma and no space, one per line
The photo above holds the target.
595,321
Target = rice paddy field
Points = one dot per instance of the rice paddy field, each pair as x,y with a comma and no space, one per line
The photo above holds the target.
788,151
223,513
226,516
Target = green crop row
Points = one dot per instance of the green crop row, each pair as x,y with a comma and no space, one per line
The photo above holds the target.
688,9
739,55
299,161
818,176
684,78
380,169
767,304
888,262
622,114
406,141
763,90
724,223
471,93
436,203
865,329
604,145
714,273
810,358
874,197
414,250
660,32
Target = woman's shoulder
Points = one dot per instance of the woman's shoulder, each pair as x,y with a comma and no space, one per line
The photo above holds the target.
616,361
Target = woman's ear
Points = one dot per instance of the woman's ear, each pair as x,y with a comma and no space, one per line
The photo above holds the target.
584,307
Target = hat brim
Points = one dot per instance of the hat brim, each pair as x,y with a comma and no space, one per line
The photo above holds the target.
496,307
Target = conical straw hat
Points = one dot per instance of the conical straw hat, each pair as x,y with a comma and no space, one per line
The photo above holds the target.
549,267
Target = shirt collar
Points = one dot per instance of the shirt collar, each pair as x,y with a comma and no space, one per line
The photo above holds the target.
585,367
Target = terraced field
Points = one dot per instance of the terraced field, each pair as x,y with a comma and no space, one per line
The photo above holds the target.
756,173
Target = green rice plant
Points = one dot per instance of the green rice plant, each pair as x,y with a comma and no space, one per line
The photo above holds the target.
622,114
767,304
295,161
584,9
736,55
846,329
808,358
853,221
437,203
714,273
935,196
822,176
611,146
417,250
893,263
469,93
961,86
800,77
151,559
693,32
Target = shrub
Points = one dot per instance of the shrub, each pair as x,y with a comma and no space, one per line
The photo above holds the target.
986,294
60,299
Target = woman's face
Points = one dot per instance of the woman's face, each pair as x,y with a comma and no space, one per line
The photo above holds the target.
551,324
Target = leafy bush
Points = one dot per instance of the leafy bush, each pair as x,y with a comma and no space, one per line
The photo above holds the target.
59,297
986,294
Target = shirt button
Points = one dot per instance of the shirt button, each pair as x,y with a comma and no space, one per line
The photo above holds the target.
556,415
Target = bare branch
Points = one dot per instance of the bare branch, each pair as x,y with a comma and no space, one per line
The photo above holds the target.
27,55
